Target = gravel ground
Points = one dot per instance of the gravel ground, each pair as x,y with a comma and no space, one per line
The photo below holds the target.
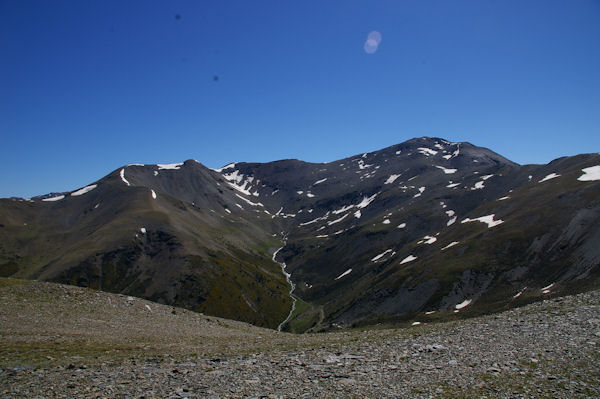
61,341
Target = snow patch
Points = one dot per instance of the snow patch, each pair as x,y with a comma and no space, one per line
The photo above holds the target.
427,240
391,179
463,304
57,198
122,174
143,230
169,166
381,255
319,181
357,214
402,225
453,243
451,221
549,177
337,220
452,185
343,209
421,190
590,174
228,166
84,190
366,201
426,151
488,219
343,274
503,198
446,170
249,202
153,194
409,258
386,221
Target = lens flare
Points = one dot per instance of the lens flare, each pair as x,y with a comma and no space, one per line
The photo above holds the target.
372,42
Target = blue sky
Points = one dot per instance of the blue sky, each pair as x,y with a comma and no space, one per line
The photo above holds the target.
88,86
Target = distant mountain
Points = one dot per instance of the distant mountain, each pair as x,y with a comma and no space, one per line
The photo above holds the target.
426,228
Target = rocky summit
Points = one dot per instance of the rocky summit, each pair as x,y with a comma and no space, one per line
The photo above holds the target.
424,231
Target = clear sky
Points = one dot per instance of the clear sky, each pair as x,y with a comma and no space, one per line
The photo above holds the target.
88,86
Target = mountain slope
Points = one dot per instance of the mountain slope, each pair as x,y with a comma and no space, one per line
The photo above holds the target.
426,228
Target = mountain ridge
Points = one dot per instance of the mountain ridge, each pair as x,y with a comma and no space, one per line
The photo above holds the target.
417,227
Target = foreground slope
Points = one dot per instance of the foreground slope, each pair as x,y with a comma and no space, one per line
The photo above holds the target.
425,229
67,341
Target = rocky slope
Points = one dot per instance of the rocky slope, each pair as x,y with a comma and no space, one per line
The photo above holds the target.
426,229
65,341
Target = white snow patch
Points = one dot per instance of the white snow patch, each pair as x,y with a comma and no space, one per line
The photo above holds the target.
409,258
453,243
447,157
402,225
57,198
362,165
549,177
169,166
84,190
228,166
398,152
488,219
386,221
391,179
299,192
546,288
430,312
503,198
143,230
452,185
486,177
227,210
451,221
416,323
343,209
478,186
343,274
310,195
357,214
381,255
590,174
450,213
249,202
122,174
518,294
319,181
421,190
426,151
463,304
427,240
153,194
446,170
337,220
156,173
366,201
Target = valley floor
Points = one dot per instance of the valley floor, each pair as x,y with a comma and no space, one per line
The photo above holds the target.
61,341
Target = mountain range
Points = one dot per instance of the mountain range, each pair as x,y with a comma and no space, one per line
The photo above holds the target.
424,230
